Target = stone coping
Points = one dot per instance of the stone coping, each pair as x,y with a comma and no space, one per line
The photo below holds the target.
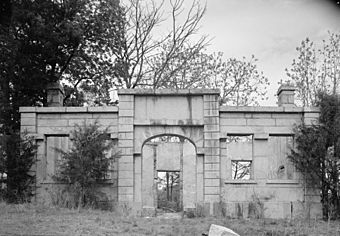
259,109
231,109
106,109
168,92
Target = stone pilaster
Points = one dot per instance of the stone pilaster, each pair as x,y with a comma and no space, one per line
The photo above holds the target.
28,122
125,145
212,165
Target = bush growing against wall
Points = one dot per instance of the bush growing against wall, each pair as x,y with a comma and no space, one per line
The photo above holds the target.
317,154
86,164
18,154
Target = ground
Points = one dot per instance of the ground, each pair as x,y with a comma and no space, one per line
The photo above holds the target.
38,220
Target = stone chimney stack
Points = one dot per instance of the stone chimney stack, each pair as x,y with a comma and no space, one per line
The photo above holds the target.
55,95
285,95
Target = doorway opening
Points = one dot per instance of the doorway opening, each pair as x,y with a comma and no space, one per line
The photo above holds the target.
168,191
168,174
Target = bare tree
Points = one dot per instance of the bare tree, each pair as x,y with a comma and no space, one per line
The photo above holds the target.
148,60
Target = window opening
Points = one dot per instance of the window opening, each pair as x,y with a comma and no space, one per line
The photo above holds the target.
241,169
240,153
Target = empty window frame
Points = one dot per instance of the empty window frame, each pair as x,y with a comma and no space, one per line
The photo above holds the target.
241,170
240,153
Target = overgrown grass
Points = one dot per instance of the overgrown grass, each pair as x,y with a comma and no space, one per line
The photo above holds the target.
28,219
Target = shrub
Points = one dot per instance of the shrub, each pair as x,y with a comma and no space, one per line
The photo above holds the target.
317,155
19,155
86,165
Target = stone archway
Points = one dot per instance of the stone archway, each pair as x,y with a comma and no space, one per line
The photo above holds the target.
168,156
189,114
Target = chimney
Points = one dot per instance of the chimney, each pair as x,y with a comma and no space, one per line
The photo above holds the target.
55,95
285,95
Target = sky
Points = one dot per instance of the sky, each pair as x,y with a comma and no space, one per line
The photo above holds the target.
269,29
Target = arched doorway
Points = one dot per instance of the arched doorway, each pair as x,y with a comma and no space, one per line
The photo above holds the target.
166,175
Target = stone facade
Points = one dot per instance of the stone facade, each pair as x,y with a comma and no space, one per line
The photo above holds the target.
271,187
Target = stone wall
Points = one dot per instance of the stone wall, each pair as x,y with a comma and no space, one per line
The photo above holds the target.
51,127
273,180
272,186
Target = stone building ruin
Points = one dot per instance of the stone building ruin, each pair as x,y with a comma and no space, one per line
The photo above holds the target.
230,160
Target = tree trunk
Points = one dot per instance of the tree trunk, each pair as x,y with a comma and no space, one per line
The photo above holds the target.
81,199
167,186
172,184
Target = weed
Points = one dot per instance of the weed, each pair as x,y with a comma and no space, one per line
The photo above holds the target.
256,207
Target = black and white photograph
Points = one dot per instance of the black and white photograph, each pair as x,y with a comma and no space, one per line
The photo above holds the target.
170,117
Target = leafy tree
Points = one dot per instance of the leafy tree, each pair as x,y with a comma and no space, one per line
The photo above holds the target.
316,70
19,159
330,68
317,155
36,38
44,41
239,81
86,164
304,73
122,47
92,66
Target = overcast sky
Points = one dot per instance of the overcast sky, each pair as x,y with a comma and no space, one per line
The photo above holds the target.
269,29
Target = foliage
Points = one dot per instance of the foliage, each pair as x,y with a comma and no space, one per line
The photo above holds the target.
256,207
122,47
134,57
317,154
37,38
86,164
241,83
41,42
19,159
304,73
316,70
92,67
168,191
239,80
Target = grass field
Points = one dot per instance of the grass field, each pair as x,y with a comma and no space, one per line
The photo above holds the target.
38,220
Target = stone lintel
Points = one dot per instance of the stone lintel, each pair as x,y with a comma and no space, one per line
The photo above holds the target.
168,92
261,136
154,122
